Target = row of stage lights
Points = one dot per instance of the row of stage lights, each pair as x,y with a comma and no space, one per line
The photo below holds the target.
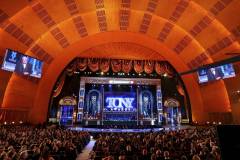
13,122
209,123
119,85
194,122
122,74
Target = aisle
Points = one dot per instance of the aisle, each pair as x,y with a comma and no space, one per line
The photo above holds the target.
86,151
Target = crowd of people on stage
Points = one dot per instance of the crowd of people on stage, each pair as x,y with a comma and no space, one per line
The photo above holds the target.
40,143
185,144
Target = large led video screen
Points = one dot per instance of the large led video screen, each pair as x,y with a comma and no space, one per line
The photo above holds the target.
120,101
21,64
216,73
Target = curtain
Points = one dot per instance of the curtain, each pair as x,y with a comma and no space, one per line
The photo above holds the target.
93,64
59,86
159,68
116,65
126,66
169,70
70,70
104,65
138,66
82,64
180,89
148,66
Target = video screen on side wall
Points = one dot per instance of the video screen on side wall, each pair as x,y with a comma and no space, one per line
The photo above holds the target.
216,73
22,64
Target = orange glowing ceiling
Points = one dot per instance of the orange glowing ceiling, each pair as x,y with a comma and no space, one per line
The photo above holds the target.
197,31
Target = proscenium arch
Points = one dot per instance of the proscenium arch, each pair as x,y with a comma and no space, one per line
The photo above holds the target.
48,80
140,12
45,36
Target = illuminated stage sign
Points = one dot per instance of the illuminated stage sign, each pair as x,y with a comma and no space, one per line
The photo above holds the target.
120,101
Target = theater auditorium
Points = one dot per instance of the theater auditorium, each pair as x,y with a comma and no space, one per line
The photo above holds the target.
119,79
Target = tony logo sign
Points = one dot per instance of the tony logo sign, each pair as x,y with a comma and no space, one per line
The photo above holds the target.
117,102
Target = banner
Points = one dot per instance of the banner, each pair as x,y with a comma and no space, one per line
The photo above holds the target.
118,65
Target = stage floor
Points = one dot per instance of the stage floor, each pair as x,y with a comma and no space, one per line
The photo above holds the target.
114,130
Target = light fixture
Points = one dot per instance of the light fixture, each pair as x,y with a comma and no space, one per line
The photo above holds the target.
165,75
120,82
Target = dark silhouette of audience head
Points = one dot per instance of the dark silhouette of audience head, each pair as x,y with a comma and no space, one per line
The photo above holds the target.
186,144
40,143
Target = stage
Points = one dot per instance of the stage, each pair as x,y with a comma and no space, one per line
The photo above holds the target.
113,97
115,130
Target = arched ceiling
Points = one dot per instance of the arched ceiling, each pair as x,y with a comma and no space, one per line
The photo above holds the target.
197,31
124,50
204,29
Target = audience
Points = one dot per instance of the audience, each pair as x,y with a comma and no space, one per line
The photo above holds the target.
40,143
54,143
186,144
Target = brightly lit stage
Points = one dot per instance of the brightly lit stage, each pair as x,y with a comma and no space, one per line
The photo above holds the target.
145,95
119,101
113,130
106,101
110,92
145,130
